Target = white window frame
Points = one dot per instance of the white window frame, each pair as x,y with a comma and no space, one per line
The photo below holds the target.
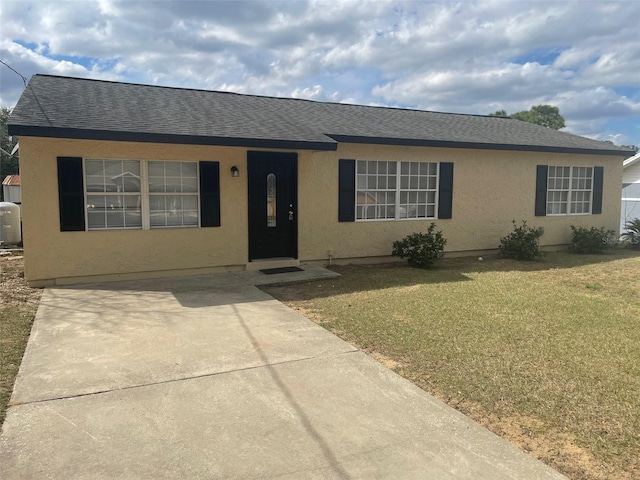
398,190
88,195
144,195
150,194
573,175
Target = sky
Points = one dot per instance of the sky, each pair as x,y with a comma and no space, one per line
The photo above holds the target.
472,57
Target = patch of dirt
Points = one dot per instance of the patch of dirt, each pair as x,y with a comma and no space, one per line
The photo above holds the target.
550,445
390,363
14,291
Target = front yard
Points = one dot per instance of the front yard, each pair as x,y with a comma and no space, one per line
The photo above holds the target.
544,353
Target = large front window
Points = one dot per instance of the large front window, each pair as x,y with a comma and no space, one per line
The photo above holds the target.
132,194
396,190
569,190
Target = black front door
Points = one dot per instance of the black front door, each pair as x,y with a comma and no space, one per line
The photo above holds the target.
273,179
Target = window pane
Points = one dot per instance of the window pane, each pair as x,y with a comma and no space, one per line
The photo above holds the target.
271,200
93,167
96,220
115,219
172,169
94,183
189,185
156,169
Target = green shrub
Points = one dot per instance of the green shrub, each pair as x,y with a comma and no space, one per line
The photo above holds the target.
522,243
421,249
632,234
591,240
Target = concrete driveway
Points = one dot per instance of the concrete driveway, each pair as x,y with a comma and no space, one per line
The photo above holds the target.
208,377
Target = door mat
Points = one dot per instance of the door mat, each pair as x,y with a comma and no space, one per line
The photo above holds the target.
273,271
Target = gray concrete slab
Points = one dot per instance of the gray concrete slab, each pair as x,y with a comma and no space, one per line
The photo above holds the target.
87,340
175,382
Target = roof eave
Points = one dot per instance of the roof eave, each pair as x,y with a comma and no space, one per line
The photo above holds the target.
86,134
474,145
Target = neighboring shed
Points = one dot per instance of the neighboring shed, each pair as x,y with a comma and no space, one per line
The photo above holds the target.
11,189
132,181
630,190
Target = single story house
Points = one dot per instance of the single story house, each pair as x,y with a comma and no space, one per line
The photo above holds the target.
126,181
630,190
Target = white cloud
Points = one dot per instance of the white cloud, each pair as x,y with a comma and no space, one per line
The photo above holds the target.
474,57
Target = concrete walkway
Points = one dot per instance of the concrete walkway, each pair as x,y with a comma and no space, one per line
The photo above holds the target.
209,377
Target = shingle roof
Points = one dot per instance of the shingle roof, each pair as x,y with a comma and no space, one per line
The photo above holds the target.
67,107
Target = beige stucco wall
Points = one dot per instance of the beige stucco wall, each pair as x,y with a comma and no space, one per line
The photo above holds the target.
51,254
490,189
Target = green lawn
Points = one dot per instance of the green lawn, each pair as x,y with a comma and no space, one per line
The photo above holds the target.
544,353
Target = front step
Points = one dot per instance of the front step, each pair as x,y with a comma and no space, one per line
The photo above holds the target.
267,263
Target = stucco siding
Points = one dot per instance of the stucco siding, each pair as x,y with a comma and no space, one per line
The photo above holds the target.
490,189
51,254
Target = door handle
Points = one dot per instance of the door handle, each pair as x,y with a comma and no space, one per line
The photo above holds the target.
291,212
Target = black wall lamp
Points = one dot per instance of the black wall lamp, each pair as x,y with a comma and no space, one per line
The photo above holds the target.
235,172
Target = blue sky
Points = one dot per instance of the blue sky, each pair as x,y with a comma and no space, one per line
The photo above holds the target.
468,57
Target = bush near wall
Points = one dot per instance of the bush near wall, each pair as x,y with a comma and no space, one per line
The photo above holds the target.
522,243
421,249
591,240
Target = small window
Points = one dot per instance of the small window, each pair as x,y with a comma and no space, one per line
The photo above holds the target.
271,200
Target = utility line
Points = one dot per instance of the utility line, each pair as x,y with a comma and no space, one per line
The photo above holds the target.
24,79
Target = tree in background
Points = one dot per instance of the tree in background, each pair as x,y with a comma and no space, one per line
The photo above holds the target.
9,164
544,115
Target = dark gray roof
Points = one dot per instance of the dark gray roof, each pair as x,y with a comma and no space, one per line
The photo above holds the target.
67,107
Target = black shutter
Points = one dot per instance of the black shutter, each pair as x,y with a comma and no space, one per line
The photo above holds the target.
71,194
542,172
209,194
598,181
347,191
445,191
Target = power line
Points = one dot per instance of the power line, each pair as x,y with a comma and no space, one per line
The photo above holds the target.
24,79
